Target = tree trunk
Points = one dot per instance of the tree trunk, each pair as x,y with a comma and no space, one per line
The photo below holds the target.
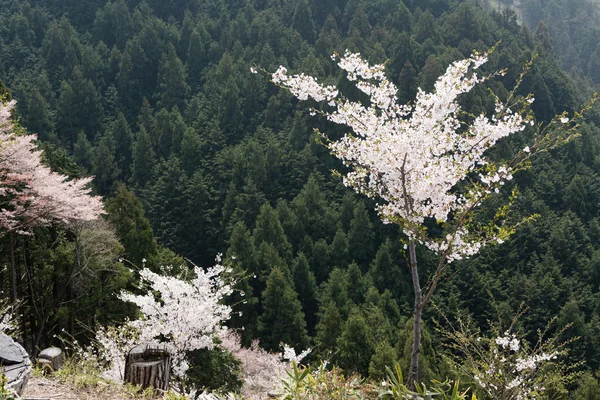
51,359
148,366
13,270
413,374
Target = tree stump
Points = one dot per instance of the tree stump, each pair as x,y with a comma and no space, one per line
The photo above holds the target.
148,365
50,359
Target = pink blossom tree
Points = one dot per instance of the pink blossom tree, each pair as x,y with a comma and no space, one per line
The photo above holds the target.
31,195
426,162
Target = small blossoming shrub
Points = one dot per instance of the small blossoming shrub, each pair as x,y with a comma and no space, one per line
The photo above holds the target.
8,323
505,366
186,314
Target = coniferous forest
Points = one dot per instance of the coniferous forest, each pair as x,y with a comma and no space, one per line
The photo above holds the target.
195,156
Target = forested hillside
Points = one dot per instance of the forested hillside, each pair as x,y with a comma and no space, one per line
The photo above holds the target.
573,27
196,156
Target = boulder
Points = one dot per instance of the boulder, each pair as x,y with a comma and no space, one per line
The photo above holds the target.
14,362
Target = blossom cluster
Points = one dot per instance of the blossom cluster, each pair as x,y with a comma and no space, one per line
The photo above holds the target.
31,194
289,354
262,371
7,321
187,314
510,370
414,156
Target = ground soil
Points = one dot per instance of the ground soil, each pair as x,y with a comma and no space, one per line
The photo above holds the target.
50,388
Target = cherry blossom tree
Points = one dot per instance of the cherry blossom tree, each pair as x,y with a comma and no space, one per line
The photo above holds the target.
427,162
188,314
30,193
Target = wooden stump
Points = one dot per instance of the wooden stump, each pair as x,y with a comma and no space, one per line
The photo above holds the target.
148,365
50,359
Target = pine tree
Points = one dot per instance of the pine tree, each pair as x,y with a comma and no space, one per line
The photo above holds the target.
143,159
306,287
384,356
104,166
282,320
172,87
123,140
126,213
355,344
386,274
82,152
361,236
338,251
191,151
328,330
268,230
302,21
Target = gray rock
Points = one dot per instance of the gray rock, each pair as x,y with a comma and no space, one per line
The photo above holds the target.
15,363
10,352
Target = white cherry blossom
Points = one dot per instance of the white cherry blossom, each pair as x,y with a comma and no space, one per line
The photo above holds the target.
413,156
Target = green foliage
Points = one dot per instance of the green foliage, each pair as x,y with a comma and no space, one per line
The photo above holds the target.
5,392
159,95
214,370
394,388
133,229
304,383
282,320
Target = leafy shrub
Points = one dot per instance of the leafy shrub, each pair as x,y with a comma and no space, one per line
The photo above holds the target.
215,369
5,392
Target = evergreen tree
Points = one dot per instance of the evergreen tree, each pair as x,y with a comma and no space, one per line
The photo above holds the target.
143,159
123,140
196,57
104,166
172,87
126,214
282,320
321,262
83,152
338,251
360,236
306,287
167,205
336,290
328,330
302,21
386,274
355,344
407,83
268,230
191,151
241,246
384,356
185,34
357,287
